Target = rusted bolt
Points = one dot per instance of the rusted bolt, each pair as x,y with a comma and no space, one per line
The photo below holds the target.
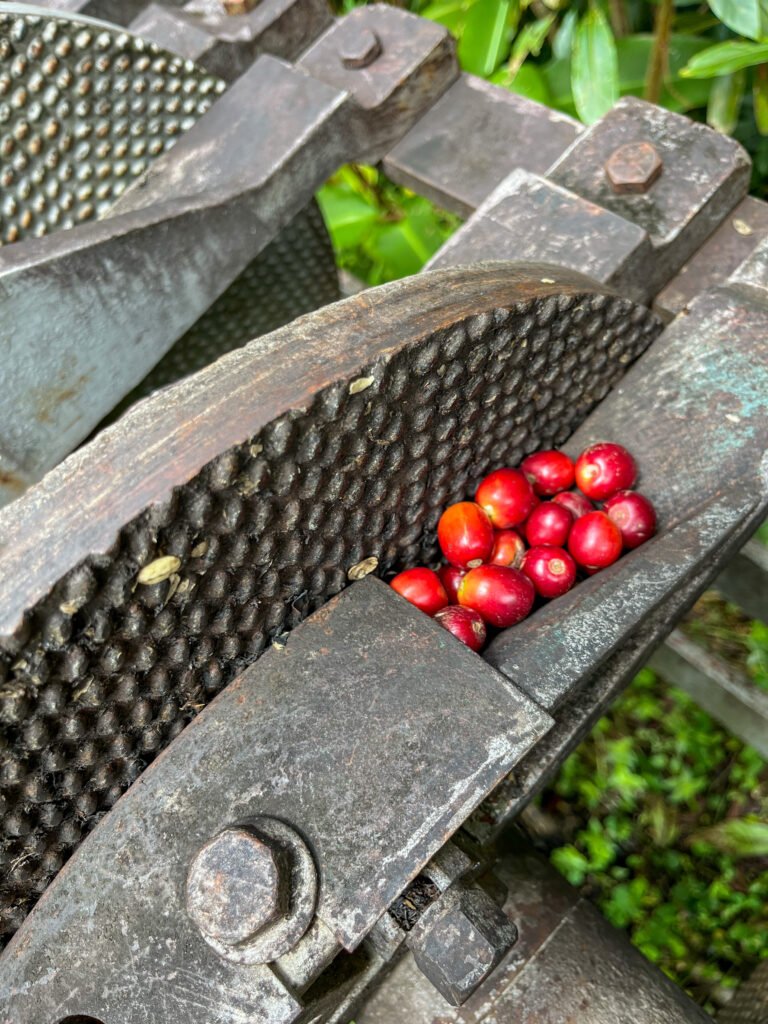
361,49
237,885
633,168
239,6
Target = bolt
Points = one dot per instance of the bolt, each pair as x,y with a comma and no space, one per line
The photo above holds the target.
360,49
237,885
239,6
633,168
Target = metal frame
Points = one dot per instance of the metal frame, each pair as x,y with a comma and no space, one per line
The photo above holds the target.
627,223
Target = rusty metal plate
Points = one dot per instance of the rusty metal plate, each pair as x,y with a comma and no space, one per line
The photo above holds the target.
267,477
348,733
512,131
528,217
691,196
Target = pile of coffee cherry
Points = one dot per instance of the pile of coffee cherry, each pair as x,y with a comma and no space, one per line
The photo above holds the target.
508,548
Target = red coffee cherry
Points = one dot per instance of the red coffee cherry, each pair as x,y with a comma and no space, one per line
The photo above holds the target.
465,535
502,595
507,497
466,625
595,541
422,588
576,503
551,570
451,576
549,471
603,469
634,515
548,525
508,549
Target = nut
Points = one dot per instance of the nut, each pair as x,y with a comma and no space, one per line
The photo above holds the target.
633,168
360,49
236,886
458,941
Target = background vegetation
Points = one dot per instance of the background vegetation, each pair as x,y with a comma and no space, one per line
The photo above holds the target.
660,815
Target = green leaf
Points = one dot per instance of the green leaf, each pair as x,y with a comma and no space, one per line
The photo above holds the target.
760,100
563,41
529,41
594,67
725,58
450,13
529,81
739,837
744,17
485,39
725,98
572,863
348,216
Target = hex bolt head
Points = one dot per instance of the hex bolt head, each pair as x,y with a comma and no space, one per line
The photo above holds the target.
237,885
360,49
633,168
459,939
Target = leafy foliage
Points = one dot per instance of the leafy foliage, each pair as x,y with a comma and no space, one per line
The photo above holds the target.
663,820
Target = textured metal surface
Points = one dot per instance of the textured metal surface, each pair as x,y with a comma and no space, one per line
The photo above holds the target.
691,197
84,110
235,178
368,691
511,131
569,966
266,509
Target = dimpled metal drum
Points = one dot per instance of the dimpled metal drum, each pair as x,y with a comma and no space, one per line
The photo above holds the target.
107,668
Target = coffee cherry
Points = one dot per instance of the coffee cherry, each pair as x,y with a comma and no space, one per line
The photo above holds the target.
603,469
548,525
465,535
576,503
551,570
549,471
451,576
502,595
507,497
508,549
465,624
422,588
634,515
595,541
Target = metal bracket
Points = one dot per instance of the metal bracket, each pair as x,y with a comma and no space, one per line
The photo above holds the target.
359,693
235,179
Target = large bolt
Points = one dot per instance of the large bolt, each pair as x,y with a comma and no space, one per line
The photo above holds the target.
360,49
633,168
237,885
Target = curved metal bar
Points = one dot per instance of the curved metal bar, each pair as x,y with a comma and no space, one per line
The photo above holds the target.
261,483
